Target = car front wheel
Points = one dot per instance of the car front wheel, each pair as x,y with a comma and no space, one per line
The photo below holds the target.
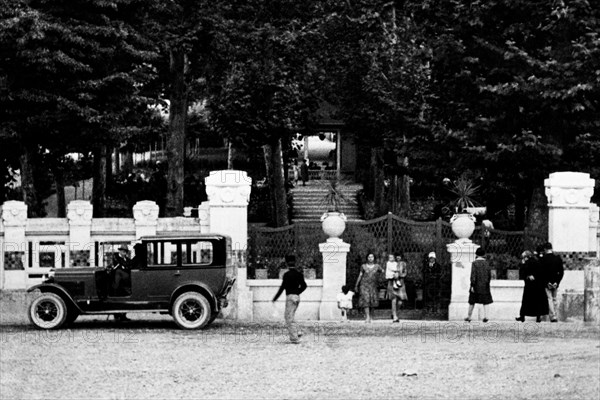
191,310
48,311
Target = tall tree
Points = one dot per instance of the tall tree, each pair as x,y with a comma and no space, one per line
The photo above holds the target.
188,33
73,71
269,89
379,64
516,82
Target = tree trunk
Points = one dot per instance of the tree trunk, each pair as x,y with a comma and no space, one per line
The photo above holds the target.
99,182
537,213
269,174
404,191
128,161
176,139
230,154
519,209
27,183
59,182
378,181
274,166
109,168
369,184
117,154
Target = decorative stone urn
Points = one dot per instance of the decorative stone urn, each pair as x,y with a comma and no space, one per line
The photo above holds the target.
334,224
463,225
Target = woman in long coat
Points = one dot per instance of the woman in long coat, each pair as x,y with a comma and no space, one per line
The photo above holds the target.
367,286
535,302
479,292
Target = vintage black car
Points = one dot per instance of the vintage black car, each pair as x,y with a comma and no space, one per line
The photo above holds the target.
182,275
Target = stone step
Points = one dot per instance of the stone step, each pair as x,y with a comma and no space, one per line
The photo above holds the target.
318,190
319,214
347,196
308,205
317,206
316,186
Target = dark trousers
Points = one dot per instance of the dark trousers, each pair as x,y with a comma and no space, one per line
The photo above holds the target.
121,281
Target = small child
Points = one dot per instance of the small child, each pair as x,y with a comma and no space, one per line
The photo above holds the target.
344,300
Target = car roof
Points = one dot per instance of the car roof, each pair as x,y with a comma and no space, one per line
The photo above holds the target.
183,235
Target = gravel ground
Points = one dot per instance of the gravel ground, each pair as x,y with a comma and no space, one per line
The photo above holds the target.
150,358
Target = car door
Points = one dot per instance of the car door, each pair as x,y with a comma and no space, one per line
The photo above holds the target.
200,263
156,279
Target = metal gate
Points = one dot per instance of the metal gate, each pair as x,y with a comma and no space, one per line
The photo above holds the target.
381,236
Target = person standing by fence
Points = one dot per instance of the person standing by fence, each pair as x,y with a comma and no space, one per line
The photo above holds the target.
479,292
534,303
367,286
395,272
432,273
552,266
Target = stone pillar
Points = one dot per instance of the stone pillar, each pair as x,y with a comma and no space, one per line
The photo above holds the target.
204,217
462,255
569,195
79,215
14,246
145,214
594,228
335,252
228,195
591,294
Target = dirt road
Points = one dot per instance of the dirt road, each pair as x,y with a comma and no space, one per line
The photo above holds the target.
151,358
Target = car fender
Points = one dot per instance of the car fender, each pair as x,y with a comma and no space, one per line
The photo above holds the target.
198,287
57,289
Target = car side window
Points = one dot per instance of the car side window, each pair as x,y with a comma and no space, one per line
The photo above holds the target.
197,252
162,253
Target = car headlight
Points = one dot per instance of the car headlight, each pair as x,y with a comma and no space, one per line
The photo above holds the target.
51,273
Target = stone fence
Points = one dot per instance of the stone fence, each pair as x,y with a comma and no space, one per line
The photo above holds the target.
30,247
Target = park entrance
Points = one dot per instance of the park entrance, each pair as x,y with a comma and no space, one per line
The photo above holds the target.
267,248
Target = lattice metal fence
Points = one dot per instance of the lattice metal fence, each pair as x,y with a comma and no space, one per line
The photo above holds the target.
503,248
381,236
267,248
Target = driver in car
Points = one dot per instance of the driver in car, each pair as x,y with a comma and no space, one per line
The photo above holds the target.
121,272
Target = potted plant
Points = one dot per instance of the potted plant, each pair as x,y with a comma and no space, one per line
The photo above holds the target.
309,268
463,222
260,269
505,265
334,221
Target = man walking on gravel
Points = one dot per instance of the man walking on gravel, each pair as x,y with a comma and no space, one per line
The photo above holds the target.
293,283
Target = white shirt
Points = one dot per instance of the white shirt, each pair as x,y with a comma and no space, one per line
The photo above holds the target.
345,300
390,268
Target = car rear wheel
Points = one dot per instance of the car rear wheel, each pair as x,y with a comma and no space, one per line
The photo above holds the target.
48,311
191,310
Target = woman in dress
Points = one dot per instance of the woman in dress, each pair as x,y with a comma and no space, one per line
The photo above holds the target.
535,302
391,273
398,286
479,293
367,286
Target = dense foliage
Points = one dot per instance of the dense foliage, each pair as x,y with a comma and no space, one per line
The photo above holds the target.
506,90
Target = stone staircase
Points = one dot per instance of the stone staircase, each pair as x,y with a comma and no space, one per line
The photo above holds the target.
307,201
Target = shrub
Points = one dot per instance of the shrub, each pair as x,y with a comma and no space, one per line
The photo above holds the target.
502,262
